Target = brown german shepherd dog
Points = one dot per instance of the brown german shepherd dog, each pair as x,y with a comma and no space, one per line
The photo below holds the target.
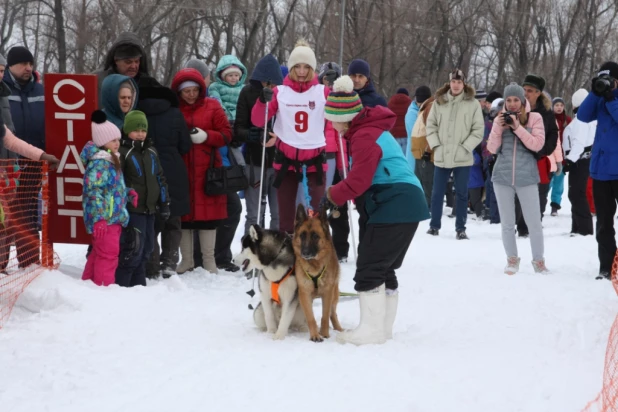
317,270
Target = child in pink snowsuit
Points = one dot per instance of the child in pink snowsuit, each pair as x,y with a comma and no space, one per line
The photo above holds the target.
104,200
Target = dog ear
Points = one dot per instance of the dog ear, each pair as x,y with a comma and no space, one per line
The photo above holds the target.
301,214
255,231
323,215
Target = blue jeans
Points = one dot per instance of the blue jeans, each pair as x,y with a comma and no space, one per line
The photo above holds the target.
557,189
440,178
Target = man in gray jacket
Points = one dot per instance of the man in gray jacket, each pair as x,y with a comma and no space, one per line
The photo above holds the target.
455,126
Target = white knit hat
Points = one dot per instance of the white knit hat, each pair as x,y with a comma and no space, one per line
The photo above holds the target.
103,131
302,53
578,97
187,83
229,70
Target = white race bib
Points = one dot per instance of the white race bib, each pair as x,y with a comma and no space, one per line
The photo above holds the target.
300,119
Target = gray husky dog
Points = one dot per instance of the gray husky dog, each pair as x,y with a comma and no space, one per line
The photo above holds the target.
271,254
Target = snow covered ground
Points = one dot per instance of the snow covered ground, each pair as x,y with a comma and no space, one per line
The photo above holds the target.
467,338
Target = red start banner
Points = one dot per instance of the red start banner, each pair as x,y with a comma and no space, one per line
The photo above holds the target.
70,99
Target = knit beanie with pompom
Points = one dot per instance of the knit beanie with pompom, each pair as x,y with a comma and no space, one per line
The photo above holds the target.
302,53
103,131
343,103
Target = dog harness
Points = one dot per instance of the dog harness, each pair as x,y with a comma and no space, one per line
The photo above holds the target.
316,278
274,287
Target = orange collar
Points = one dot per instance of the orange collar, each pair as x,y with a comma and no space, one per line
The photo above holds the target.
274,286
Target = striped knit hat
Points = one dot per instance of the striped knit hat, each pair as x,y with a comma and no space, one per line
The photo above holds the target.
343,103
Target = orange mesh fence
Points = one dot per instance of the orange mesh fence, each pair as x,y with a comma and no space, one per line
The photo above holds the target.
24,250
607,400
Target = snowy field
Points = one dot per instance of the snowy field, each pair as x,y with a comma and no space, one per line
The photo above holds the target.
467,338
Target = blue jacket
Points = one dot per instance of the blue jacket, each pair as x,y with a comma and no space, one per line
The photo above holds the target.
411,117
476,172
604,160
370,97
27,109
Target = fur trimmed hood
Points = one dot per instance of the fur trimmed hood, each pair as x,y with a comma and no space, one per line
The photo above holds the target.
545,101
468,93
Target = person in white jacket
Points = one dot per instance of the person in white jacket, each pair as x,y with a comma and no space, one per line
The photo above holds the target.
578,140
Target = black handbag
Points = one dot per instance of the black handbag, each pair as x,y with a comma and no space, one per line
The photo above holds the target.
226,179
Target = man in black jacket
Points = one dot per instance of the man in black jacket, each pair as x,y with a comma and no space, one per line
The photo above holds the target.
539,103
168,132
267,70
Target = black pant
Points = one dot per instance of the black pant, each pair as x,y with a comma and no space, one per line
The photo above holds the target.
26,214
476,200
166,256
381,252
227,230
340,227
522,227
132,262
605,196
581,218
362,219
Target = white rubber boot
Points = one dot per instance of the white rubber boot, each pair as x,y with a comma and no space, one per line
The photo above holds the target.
372,319
392,300
186,251
207,245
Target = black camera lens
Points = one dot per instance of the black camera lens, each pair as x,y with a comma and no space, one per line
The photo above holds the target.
602,85
507,118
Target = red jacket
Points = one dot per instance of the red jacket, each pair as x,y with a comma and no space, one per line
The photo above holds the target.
399,104
208,115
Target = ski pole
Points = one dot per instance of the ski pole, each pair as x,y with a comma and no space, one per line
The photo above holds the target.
264,139
349,203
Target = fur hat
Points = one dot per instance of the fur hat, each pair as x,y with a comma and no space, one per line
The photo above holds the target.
198,65
229,70
578,97
457,74
302,53
103,131
343,103
515,90
535,81
359,66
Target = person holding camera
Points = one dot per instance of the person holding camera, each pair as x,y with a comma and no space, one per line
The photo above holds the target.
601,105
515,136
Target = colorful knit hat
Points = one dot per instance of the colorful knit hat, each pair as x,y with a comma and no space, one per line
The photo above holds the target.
343,103
103,131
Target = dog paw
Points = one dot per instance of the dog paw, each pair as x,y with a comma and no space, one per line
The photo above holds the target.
325,334
316,339
279,336
271,330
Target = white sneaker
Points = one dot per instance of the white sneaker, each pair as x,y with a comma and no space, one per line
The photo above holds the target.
512,265
539,267
371,329
392,300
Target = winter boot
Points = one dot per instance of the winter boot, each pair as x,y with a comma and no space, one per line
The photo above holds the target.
539,267
186,250
461,235
512,265
433,232
392,300
207,244
372,319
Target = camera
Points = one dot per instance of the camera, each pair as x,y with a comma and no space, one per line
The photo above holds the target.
603,84
507,117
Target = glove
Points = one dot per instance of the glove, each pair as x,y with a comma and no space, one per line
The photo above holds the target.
426,156
330,77
100,229
266,95
133,197
570,165
558,169
164,211
325,202
198,136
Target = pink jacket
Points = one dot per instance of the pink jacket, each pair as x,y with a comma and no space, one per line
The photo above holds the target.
533,141
15,144
556,157
257,118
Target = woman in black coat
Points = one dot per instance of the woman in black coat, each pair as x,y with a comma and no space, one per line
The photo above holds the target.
168,130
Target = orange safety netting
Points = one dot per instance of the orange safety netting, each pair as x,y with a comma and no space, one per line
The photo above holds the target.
24,248
607,400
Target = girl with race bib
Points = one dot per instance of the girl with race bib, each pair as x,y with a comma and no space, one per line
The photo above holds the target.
299,132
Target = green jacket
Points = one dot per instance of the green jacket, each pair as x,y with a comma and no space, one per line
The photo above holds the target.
225,92
143,173
455,126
